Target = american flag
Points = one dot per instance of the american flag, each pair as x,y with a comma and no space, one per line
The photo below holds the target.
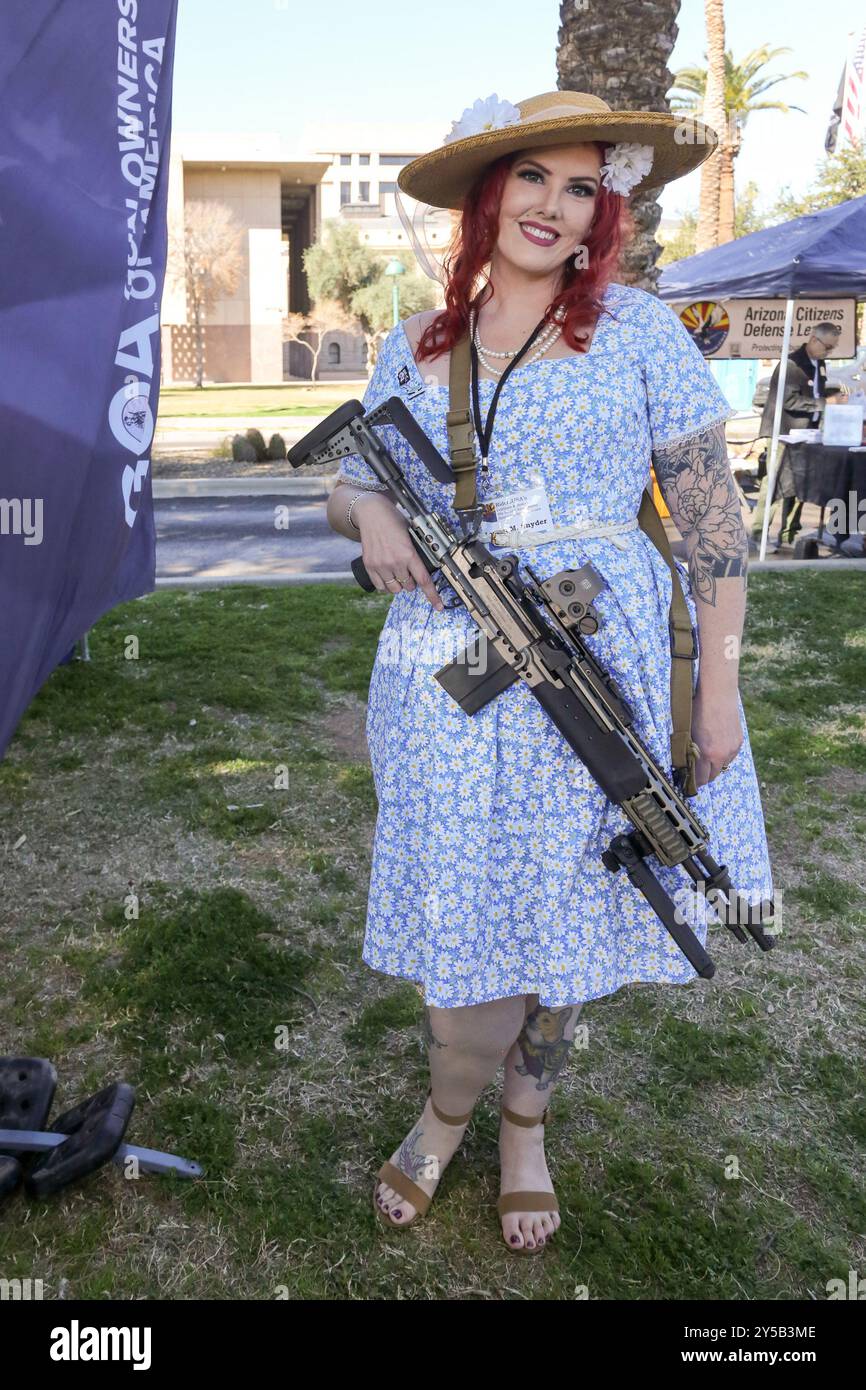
849,115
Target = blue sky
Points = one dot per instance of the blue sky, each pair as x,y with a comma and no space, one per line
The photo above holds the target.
280,64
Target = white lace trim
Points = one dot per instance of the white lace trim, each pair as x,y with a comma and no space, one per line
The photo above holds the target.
353,482
693,433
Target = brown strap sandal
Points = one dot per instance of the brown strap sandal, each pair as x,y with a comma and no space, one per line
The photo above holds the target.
526,1200
402,1183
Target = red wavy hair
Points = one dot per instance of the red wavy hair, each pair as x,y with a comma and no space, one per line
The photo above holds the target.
471,248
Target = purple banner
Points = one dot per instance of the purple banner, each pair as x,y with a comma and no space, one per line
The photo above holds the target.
85,123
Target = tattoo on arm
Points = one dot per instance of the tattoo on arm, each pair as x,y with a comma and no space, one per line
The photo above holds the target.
697,484
543,1044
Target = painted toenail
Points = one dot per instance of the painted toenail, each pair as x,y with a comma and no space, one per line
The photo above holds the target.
398,1214
514,1240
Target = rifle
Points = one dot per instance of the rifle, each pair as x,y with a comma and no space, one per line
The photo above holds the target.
533,631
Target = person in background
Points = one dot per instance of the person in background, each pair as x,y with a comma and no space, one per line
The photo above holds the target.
803,405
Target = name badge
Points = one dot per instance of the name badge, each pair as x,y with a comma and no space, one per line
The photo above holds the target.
523,509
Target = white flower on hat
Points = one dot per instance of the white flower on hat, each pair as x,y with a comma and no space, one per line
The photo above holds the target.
487,114
627,163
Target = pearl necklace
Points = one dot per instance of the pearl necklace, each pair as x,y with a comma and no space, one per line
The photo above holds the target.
545,341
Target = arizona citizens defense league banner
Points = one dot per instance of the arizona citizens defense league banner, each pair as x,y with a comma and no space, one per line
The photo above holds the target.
84,143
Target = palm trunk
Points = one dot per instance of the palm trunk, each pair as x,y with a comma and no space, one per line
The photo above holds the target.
596,52
714,115
726,193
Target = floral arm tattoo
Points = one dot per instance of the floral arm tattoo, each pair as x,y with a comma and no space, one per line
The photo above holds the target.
695,479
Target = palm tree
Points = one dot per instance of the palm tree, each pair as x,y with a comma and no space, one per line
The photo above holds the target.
620,53
744,92
714,115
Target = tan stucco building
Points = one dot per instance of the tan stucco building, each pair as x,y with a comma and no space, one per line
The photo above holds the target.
281,199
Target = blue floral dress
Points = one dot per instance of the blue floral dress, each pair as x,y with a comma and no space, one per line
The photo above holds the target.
486,877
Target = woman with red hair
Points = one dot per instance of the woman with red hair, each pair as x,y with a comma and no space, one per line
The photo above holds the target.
487,887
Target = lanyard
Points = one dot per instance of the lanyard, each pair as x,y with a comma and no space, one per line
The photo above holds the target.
485,431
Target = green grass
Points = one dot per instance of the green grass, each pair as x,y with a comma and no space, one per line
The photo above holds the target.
197,825
253,401
209,968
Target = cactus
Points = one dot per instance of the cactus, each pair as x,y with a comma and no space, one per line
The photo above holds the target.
276,447
242,450
257,440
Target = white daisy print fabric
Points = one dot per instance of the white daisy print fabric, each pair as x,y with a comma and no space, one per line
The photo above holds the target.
486,878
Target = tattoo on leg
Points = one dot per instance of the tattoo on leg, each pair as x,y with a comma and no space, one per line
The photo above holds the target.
412,1159
543,1046
697,484
427,1030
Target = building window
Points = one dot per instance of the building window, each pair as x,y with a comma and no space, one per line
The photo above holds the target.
345,159
364,192
345,193
363,159
395,158
387,188
333,354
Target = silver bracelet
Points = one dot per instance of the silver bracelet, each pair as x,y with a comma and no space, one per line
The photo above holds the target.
355,499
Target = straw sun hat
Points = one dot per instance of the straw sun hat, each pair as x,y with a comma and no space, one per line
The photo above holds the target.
649,148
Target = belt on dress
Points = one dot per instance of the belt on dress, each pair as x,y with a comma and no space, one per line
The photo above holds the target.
523,537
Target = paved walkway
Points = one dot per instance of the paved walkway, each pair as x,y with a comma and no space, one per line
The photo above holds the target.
213,531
